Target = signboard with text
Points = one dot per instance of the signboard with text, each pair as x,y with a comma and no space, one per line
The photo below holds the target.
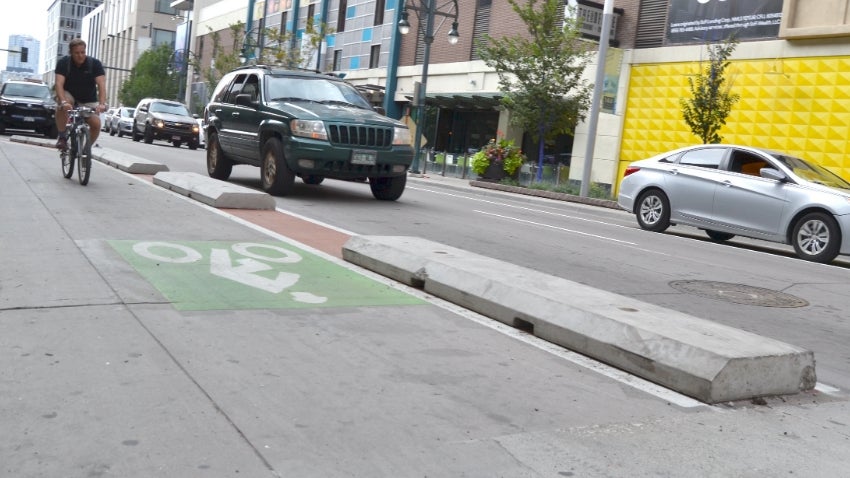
710,21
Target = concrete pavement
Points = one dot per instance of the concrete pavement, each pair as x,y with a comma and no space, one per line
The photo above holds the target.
144,334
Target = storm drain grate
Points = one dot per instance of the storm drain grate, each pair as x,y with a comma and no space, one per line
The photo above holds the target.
738,293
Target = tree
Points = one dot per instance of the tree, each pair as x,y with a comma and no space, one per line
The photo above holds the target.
278,53
711,100
150,78
541,73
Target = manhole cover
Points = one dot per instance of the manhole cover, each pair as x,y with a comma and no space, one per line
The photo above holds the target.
738,293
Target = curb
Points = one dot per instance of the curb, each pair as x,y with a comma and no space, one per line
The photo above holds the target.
696,357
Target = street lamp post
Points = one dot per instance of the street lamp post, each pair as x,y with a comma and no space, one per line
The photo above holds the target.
429,9
179,63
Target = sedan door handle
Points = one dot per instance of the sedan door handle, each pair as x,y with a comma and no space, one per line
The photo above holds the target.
727,183
235,113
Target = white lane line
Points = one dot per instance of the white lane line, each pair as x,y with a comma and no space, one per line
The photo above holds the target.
525,208
535,223
829,390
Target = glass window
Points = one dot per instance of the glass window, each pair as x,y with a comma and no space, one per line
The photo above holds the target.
164,6
380,7
375,56
703,157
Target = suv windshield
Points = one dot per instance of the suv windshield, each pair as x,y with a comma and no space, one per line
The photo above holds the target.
175,109
26,90
319,90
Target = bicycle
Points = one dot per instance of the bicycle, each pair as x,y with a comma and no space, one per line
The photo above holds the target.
79,149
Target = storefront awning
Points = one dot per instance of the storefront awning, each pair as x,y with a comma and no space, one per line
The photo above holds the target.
463,101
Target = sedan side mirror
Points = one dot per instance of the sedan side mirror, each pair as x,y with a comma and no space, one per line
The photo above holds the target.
774,174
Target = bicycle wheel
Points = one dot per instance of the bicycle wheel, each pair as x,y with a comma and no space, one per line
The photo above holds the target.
84,155
67,158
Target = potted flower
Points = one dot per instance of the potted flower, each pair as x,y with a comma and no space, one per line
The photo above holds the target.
497,159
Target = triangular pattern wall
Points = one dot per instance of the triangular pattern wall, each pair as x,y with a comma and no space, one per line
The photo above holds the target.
796,105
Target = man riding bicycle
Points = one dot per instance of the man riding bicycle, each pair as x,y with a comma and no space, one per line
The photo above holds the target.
80,80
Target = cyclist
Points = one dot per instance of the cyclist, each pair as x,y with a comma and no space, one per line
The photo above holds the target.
80,80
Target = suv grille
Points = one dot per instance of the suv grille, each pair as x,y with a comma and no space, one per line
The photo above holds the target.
355,135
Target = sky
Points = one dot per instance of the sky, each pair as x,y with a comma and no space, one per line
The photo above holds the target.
29,18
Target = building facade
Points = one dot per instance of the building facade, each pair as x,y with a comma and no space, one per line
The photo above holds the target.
791,69
18,68
64,23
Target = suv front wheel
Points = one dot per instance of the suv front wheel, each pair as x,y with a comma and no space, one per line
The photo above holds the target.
277,178
219,166
388,189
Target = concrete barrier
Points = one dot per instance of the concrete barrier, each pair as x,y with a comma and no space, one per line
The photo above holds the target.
213,192
123,161
696,357
128,162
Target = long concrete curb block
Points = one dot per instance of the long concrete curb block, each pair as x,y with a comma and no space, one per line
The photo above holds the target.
213,192
705,360
124,162
129,163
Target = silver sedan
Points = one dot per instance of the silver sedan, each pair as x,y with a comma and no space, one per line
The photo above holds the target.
730,190
122,121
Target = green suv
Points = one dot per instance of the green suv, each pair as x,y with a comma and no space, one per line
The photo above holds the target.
305,124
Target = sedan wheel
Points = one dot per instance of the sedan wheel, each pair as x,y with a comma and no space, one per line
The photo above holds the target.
653,211
816,237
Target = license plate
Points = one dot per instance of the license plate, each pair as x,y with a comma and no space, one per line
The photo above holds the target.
368,158
175,138
29,118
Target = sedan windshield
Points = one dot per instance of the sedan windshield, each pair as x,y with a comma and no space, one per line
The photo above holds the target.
318,90
813,172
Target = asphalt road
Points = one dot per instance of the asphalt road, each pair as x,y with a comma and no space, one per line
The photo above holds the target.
110,367
751,285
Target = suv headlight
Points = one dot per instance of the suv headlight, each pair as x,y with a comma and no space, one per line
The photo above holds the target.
309,129
401,136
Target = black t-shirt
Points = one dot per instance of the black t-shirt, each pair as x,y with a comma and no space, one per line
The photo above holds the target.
80,80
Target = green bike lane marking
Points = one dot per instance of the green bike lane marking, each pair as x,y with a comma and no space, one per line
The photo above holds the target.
216,275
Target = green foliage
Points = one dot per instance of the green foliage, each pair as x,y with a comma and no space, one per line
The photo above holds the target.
279,52
149,78
503,151
541,76
711,100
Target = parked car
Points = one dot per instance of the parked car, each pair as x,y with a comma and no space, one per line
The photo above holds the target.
28,105
106,118
165,120
305,124
730,190
121,122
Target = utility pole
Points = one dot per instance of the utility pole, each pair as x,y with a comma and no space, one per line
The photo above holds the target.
607,19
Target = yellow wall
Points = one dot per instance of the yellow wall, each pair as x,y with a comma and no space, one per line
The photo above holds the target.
796,105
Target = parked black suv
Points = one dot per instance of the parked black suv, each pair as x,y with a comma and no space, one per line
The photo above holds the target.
29,105
166,120
305,124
